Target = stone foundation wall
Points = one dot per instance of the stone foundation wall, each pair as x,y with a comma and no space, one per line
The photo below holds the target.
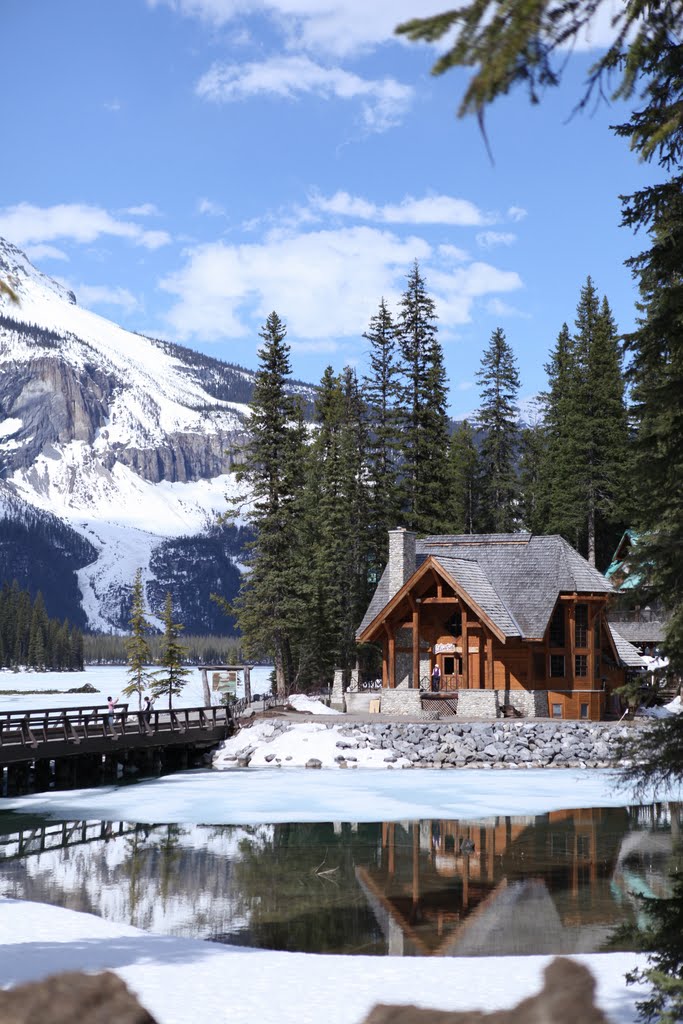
530,703
400,702
506,743
478,704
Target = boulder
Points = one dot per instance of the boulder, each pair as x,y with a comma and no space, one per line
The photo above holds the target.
73,996
567,997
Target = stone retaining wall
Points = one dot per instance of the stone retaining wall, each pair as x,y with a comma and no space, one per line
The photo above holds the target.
507,743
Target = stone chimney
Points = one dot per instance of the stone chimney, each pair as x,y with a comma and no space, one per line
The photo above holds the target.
401,558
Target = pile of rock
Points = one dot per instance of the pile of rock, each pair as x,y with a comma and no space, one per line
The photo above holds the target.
508,744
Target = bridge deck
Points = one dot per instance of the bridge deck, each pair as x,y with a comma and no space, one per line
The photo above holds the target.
47,733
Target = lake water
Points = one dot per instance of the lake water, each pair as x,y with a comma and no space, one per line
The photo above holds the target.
559,882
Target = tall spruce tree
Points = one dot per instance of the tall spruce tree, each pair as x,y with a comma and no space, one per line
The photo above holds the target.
340,499
137,646
463,504
532,466
271,607
424,418
588,457
380,390
172,676
561,478
497,418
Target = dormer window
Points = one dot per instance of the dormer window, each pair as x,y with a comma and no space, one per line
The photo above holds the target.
557,627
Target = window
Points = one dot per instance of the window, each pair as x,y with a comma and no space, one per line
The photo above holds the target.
581,666
557,627
449,666
540,667
454,624
597,665
557,666
557,711
583,711
581,626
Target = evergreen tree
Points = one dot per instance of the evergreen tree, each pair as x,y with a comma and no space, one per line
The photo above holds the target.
463,504
172,676
588,457
137,646
341,543
424,419
271,607
497,418
381,396
561,491
532,466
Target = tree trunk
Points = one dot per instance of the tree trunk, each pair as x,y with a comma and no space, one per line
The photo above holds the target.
591,535
280,682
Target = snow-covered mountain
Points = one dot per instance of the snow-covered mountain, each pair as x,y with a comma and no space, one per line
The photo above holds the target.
126,440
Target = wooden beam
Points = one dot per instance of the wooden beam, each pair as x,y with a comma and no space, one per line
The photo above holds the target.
488,665
392,661
440,600
465,650
385,662
572,645
591,646
416,647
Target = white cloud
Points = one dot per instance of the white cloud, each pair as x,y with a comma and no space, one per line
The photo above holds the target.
383,101
343,27
517,213
143,210
491,239
45,252
314,278
25,224
428,210
94,295
210,208
338,27
113,106
500,308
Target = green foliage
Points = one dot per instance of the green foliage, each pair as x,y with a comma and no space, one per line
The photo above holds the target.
380,390
171,678
271,609
463,502
587,474
137,647
511,42
110,649
497,418
424,467
29,637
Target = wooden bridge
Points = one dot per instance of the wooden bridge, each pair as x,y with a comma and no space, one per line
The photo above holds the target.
94,738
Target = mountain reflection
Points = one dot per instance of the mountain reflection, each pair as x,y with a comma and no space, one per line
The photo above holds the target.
557,882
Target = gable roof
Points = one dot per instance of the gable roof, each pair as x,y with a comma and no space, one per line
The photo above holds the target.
515,578
628,654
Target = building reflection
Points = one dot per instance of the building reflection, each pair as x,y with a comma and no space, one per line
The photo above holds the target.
556,883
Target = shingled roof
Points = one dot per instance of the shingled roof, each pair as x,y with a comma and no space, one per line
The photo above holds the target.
515,578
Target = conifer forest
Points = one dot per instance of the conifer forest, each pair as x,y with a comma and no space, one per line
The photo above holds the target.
383,453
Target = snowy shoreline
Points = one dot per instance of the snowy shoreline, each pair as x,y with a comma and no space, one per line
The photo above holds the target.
184,980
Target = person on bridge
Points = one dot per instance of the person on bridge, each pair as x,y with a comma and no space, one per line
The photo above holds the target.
111,704
148,708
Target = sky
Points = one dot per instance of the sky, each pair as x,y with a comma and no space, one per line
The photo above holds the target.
187,166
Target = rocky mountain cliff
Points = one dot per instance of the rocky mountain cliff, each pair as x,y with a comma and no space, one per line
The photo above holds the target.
124,441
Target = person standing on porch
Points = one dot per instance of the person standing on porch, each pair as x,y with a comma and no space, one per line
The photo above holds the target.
436,679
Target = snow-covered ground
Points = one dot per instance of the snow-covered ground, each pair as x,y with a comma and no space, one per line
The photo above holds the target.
181,981
107,679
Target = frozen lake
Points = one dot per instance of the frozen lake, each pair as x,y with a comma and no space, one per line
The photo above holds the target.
107,680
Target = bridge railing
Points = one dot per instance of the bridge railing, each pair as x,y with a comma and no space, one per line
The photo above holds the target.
38,726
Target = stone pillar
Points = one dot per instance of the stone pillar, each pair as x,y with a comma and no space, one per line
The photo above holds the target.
207,691
401,558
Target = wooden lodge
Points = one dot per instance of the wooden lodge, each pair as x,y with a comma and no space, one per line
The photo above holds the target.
516,624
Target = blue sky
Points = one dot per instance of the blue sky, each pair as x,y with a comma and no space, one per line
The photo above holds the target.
188,165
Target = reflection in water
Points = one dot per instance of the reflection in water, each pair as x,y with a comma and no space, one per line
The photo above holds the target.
557,882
